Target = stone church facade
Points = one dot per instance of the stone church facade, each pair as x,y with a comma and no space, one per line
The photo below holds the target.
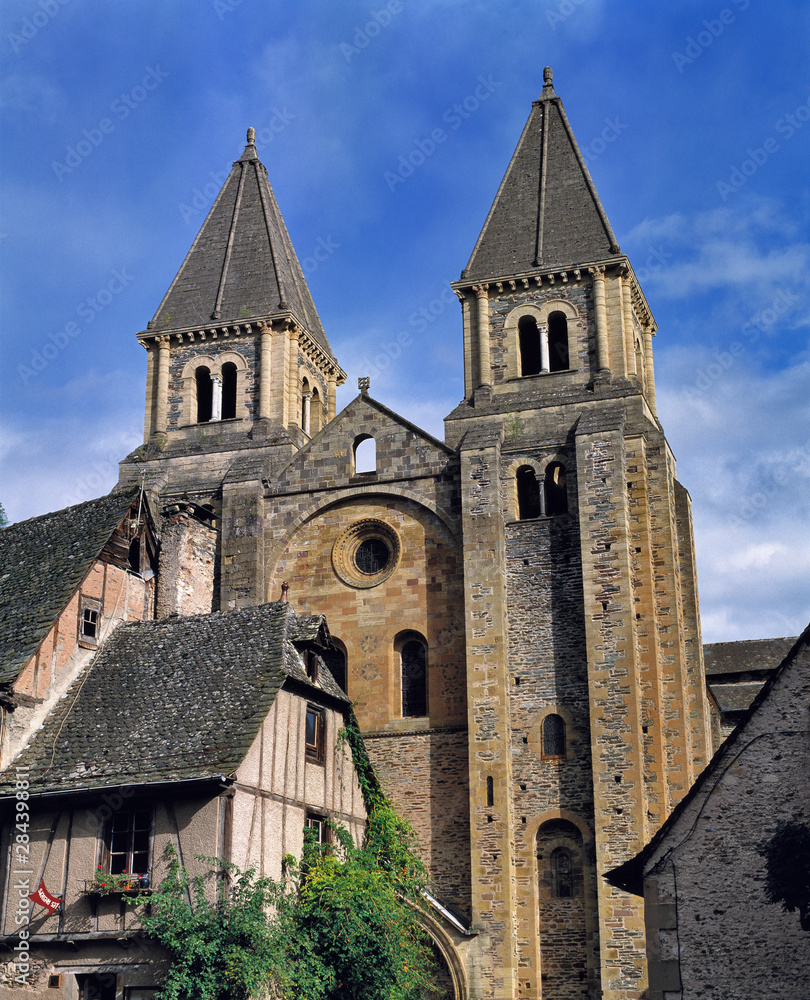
514,609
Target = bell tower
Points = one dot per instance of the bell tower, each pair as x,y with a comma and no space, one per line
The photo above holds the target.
237,357
586,707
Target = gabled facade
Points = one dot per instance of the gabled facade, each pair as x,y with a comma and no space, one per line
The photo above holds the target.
726,880
66,581
215,734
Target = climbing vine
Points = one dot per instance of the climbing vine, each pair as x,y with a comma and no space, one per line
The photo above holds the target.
342,923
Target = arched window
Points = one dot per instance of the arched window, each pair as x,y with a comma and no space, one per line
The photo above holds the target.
558,342
228,391
336,659
315,412
365,454
413,669
528,493
202,377
562,873
553,736
554,489
530,355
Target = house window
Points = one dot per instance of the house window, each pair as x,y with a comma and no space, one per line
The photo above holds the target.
562,874
126,841
528,493
139,993
98,987
315,730
320,827
205,394
554,489
89,622
413,665
558,342
228,391
553,736
531,362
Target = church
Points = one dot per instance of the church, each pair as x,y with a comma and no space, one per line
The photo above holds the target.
513,611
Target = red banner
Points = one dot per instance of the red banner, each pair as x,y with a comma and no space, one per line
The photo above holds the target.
45,899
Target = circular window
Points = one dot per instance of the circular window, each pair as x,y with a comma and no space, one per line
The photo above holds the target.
366,553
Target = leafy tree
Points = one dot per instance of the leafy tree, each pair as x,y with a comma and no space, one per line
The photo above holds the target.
787,867
341,925
3,516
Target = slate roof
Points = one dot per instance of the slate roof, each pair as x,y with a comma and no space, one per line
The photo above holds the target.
242,264
745,656
173,700
546,213
42,562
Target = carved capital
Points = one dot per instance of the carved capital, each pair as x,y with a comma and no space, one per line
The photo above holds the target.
597,272
482,291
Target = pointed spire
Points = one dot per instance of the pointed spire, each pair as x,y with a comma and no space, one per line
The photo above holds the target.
546,213
242,265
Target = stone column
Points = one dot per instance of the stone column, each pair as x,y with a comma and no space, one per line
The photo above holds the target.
216,397
627,323
162,407
292,377
484,365
331,397
307,400
649,377
265,367
600,311
543,331
470,349
149,413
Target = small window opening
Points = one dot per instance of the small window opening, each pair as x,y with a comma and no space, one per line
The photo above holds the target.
553,736
528,491
413,660
320,828
562,872
205,394
315,726
89,623
365,455
306,400
228,391
311,664
556,494
135,554
315,412
558,342
530,355
490,792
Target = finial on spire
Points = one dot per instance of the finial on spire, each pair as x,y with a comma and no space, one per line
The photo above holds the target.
548,76
251,136
548,86
364,384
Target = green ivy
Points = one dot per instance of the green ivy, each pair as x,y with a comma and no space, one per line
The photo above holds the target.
341,925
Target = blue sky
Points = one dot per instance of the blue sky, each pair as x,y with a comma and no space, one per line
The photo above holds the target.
120,121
